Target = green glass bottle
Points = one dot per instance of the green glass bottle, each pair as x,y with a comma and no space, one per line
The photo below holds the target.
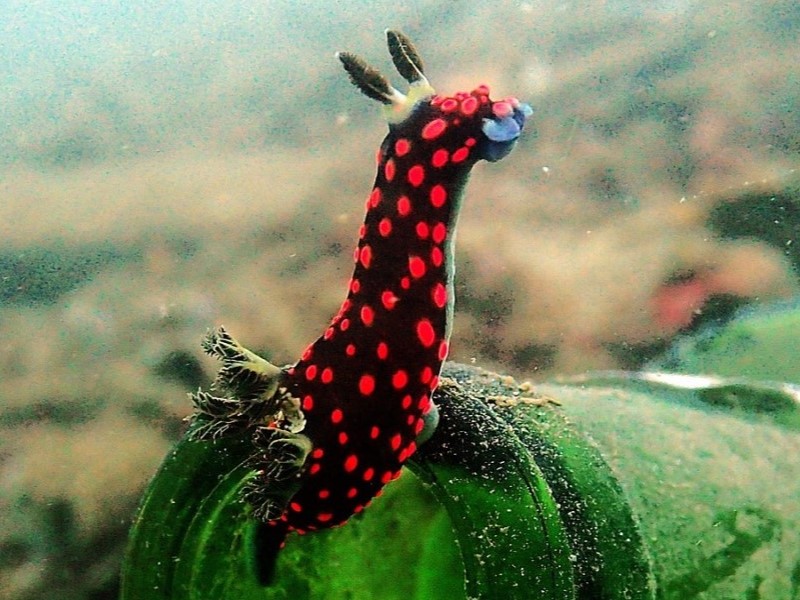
617,488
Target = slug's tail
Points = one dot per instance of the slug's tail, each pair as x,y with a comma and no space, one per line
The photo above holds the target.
268,540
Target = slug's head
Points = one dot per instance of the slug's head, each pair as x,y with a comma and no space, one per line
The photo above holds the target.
461,128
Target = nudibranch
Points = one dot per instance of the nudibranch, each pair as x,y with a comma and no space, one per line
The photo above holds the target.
329,431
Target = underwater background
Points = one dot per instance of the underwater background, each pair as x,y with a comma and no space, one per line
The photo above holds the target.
167,167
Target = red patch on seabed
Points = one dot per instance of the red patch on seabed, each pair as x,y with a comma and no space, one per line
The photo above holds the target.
676,304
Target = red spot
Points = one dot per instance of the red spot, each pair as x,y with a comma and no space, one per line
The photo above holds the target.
437,100
295,507
405,283
396,441
403,206
407,400
307,352
402,147
425,333
434,382
362,231
434,129
369,474
342,438
502,109
344,324
412,447
461,154
355,286
439,233
436,256
410,419
350,463
378,156
317,453
416,175
366,385
426,375
449,105
358,508
327,375
311,372
416,266
367,315
397,474
314,469
375,197
470,142
438,196
374,432
469,106
419,426
440,158
388,170
382,351
336,416
308,402
352,493
365,256
439,294
385,227
443,348
425,402
399,379
481,90
386,477
423,230
388,299
324,494
350,350
324,517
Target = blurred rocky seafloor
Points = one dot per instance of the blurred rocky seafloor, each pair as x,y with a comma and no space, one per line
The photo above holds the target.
224,182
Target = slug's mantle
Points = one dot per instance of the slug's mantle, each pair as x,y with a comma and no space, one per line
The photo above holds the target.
331,430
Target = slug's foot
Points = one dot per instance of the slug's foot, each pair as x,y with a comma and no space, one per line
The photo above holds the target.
279,463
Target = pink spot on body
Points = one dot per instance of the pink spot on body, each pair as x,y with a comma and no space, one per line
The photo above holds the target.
416,266
365,256
367,315
399,379
438,196
350,463
403,206
366,385
440,158
416,175
402,147
425,333
388,299
439,233
460,155
434,129
469,105
439,295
